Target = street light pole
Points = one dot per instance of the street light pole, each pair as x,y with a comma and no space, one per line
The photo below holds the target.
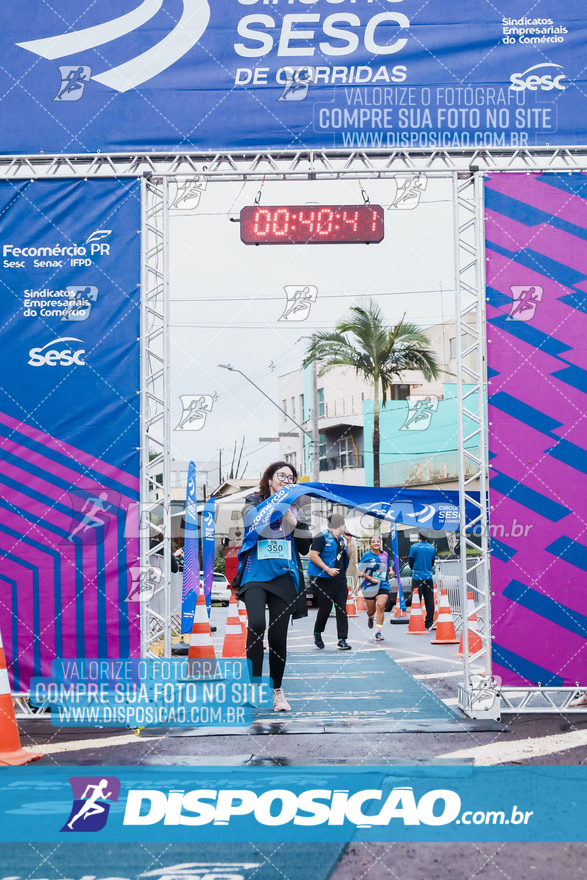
315,449
234,370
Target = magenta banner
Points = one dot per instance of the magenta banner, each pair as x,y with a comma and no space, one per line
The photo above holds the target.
536,231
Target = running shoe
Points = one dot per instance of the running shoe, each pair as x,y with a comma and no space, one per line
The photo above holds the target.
318,640
343,645
379,637
370,622
581,700
280,704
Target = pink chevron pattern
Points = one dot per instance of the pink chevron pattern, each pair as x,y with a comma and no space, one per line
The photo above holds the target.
63,596
536,247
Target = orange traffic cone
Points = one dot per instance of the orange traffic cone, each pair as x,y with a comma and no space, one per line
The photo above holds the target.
436,609
475,643
361,602
234,640
445,628
11,753
201,647
242,613
416,626
351,611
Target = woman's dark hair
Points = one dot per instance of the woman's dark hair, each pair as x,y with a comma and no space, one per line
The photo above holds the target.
264,490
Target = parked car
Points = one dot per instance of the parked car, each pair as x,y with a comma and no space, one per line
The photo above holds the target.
310,595
406,579
220,589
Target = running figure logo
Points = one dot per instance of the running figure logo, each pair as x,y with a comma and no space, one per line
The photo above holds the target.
93,510
408,193
195,411
525,301
79,303
74,79
420,412
299,301
188,193
297,83
90,802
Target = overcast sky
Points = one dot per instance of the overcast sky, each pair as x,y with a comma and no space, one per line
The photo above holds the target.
227,298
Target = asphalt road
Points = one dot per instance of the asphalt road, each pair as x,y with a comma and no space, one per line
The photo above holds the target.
538,740
545,739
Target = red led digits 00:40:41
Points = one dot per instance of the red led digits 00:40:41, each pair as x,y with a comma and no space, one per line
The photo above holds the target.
312,224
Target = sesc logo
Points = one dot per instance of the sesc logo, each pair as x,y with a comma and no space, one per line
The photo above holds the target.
546,82
64,355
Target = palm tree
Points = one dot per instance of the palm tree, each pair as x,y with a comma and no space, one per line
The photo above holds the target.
379,353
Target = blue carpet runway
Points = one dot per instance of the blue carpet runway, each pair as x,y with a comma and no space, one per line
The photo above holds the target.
343,693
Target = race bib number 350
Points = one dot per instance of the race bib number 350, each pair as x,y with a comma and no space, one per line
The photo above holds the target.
274,548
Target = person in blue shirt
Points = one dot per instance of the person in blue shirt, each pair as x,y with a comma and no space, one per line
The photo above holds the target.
374,565
422,558
329,560
270,575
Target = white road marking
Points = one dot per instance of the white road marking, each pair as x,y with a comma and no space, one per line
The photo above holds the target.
447,674
102,742
428,657
502,752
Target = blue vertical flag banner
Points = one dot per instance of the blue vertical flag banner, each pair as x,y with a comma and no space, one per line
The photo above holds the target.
396,565
191,560
208,547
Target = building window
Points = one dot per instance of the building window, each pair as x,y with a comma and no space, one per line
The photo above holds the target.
346,452
293,407
302,408
400,392
284,406
321,408
453,344
322,445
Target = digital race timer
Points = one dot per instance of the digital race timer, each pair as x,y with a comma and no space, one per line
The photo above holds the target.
312,224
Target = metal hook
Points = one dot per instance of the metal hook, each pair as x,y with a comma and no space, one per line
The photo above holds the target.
258,196
364,194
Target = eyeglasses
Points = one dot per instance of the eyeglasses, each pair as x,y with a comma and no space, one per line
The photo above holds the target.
286,478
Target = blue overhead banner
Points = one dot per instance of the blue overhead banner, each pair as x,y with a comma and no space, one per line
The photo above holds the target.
182,75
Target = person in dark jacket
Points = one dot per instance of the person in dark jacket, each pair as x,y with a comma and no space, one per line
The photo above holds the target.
329,560
270,575
422,558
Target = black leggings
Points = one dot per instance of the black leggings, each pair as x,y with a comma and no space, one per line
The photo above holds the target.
256,598
331,591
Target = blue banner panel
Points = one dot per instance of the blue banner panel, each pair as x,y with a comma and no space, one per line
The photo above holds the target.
69,421
299,804
124,75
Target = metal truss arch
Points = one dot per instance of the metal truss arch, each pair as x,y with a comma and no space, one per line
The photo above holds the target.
479,695
293,164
